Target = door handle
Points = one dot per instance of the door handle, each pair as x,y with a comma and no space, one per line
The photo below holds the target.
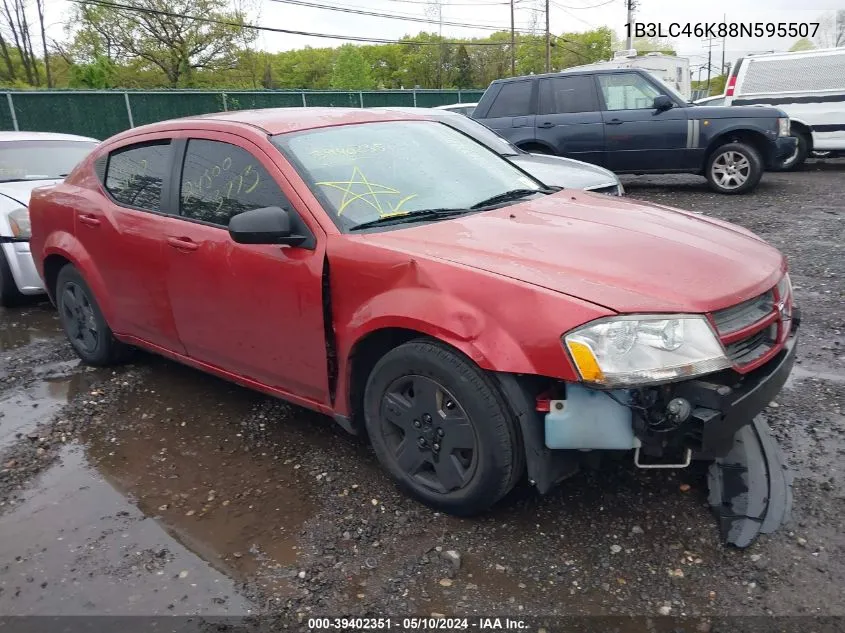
615,122
90,220
546,125
182,243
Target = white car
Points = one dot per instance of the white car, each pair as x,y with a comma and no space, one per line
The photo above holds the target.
28,160
461,108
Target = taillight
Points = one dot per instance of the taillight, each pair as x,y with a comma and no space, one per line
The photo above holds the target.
729,91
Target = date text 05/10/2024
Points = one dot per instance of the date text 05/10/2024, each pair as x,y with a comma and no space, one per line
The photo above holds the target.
722,29
415,623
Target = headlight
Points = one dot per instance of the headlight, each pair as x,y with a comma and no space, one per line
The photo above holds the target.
19,221
620,190
783,126
784,287
637,350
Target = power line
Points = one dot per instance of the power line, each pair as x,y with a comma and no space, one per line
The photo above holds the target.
271,29
595,6
393,16
455,4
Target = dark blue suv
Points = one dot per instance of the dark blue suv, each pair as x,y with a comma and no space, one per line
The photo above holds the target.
630,122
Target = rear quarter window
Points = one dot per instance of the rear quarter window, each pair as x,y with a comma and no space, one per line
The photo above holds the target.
514,99
135,174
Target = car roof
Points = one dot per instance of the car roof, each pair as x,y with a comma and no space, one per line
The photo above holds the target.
43,136
275,120
573,71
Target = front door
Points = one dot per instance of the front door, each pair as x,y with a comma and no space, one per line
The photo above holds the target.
569,118
638,137
253,310
123,233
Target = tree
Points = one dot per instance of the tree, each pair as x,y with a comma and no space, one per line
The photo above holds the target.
14,20
464,68
831,33
155,32
803,44
98,74
351,70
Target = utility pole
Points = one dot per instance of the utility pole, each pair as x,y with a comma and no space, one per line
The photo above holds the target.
548,42
724,21
513,44
629,42
709,41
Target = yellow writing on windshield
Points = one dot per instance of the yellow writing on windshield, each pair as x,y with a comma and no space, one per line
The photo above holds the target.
373,194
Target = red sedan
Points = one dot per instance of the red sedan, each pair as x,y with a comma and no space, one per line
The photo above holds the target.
395,274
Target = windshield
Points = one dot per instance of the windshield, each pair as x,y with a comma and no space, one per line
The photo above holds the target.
482,134
368,171
40,159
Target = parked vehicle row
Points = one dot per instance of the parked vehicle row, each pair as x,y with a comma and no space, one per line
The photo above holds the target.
630,122
28,160
390,271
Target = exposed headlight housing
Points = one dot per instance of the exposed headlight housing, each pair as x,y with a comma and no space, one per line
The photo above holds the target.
19,221
783,126
637,350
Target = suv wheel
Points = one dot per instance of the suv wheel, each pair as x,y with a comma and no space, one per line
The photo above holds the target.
438,425
734,168
802,151
83,322
9,294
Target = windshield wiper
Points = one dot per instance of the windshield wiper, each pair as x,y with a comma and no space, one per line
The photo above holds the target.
507,196
411,216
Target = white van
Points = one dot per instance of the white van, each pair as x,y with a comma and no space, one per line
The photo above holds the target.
808,85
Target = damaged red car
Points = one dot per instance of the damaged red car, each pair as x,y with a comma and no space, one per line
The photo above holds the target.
478,326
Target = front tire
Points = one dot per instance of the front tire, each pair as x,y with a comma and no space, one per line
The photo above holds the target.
440,427
10,296
734,168
83,322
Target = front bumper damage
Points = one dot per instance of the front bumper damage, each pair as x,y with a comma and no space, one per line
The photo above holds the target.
750,486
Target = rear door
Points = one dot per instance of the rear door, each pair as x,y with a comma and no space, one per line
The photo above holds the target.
638,137
569,118
252,310
123,235
511,113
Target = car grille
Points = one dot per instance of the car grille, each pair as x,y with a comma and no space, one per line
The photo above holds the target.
744,314
750,349
754,346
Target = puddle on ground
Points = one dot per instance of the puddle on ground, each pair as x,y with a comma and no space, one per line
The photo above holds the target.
23,409
20,327
176,447
75,546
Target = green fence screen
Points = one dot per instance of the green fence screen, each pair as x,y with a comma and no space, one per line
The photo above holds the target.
102,113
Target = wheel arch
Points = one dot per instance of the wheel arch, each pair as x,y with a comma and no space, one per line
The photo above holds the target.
754,138
529,146
800,126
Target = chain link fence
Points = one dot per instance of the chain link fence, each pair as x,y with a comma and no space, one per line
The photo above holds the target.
102,113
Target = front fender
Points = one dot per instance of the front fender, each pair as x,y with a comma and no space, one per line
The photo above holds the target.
65,245
444,317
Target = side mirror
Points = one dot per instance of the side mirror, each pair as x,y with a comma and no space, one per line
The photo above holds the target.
267,225
663,103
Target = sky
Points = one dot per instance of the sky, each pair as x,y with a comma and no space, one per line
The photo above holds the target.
565,15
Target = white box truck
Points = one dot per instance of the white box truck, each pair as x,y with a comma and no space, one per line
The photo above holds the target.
671,70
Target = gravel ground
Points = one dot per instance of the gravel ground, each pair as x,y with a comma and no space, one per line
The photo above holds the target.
157,489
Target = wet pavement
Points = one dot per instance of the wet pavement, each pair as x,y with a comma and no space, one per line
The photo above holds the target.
156,489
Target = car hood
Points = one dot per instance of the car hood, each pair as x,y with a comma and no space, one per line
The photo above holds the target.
564,172
626,256
20,191
735,112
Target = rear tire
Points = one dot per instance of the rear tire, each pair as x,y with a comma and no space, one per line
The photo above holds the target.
83,322
10,296
440,427
802,151
734,168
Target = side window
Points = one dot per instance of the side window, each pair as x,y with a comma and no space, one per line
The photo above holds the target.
514,99
564,95
220,180
134,174
627,91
